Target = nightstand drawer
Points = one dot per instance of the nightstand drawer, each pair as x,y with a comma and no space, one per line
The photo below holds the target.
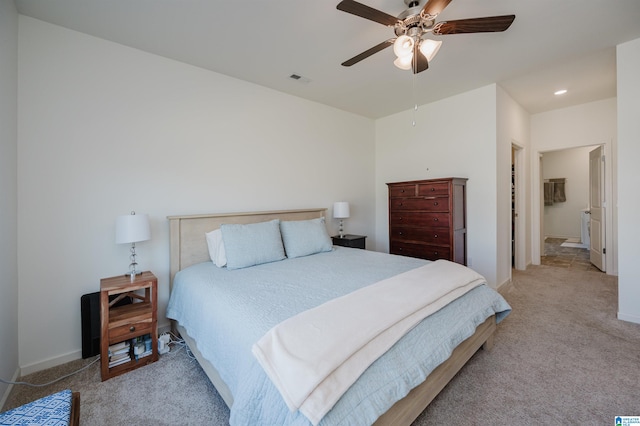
129,331
349,240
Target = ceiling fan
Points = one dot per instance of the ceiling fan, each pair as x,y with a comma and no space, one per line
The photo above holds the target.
412,50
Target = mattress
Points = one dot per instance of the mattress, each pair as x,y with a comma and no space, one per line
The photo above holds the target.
227,311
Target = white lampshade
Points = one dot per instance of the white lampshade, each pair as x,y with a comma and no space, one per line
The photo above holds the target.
429,48
341,210
131,228
404,63
403,46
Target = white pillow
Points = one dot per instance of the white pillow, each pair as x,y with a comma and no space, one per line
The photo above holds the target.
216,248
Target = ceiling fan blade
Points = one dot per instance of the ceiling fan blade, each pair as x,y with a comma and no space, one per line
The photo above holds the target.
419,62
474,25
367,12
434,7
367,53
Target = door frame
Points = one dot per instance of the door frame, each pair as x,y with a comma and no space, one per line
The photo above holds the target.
520,254
537,242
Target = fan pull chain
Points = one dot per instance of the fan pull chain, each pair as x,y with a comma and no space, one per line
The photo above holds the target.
415,102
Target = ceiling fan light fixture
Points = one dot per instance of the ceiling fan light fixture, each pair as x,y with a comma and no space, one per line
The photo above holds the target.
404,62
403,46
429,48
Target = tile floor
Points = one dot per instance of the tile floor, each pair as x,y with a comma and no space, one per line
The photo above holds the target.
566,257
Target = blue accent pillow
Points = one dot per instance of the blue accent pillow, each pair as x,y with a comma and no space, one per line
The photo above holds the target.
305,237
252,244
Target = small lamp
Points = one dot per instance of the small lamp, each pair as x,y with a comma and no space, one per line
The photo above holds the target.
341,211
132,228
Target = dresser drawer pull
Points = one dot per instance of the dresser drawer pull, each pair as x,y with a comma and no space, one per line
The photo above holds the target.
435,219
433,189
400,233
435,235
435,253
435,203
132,328
402,190
400,203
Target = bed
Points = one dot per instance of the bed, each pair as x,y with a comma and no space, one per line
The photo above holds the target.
225,353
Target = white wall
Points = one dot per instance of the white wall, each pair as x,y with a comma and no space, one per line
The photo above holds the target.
564,220
513,129
8,194
628,66
454,137
593,123
105,129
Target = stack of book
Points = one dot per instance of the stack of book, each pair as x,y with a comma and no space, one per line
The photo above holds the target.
119,353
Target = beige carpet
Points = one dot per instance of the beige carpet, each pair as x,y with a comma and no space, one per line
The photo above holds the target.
561,357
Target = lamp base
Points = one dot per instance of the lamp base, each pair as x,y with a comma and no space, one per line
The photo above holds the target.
134,274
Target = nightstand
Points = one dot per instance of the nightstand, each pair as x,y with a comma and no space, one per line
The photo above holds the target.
349,240
129,333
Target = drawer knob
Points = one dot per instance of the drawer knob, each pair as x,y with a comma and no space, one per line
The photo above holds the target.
435,253
402,190
435,203
400,233
435,235
132,328
435,219
400,203
433,189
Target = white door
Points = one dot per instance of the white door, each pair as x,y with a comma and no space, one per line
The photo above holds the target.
597,208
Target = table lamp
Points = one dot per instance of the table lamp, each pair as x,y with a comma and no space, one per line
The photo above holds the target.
341,211
132,228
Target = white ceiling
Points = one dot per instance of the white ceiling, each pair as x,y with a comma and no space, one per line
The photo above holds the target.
552,44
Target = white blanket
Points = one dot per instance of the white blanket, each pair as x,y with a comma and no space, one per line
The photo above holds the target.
315,356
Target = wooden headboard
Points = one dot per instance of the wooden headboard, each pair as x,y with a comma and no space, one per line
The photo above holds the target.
188,245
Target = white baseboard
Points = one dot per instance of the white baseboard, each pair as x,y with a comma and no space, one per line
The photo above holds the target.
502,287
629,318
51,362
7,392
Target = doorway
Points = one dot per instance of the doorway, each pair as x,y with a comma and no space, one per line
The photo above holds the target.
565,192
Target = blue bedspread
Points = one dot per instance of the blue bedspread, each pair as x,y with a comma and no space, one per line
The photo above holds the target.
226,311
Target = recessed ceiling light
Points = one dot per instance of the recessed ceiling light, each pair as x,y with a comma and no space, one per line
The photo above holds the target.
560,92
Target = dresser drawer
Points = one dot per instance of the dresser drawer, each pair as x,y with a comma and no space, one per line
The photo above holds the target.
422,251
438,236
402,191
440,204
433,189
420,219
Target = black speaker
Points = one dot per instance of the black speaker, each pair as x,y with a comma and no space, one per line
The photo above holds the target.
90,316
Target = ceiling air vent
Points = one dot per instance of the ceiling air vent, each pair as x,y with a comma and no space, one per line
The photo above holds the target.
299,78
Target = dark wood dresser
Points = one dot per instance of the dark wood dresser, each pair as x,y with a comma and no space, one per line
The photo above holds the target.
428,219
